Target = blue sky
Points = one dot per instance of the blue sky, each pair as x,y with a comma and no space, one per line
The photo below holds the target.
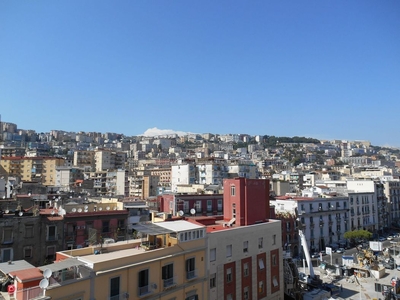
324,69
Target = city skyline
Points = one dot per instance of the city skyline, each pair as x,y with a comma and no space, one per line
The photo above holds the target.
324,70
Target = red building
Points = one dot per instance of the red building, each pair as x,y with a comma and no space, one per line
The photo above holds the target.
246,201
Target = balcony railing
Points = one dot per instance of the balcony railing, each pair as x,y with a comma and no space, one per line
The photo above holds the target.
169,282
143,290
191,274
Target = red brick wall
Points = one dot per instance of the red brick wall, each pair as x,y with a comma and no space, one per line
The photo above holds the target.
230,287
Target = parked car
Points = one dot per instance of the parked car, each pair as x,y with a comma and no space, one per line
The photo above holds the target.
398,267
389,238
382,239
340,250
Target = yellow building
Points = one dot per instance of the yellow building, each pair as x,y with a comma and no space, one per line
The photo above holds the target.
169,262
33,169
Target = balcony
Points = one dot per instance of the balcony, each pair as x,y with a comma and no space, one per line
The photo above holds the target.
144,290
170,282
191,274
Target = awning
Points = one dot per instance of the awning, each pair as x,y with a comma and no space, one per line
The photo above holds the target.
61,265
151,229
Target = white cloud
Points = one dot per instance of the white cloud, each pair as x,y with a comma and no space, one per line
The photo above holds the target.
156,132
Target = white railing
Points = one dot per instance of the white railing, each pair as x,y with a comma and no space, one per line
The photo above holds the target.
143,290
169,282
191,274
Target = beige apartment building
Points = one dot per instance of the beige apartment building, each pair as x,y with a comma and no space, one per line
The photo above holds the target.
169,262
32,169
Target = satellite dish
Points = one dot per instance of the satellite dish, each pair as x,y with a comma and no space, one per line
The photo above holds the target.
86,207
108,208
100,208
86,210
7,211
20,213
56,200
180,213
193,211
115,208
73,210
52,212
47,273
79,210
61,212
44,283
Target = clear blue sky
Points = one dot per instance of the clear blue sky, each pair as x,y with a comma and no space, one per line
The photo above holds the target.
325,69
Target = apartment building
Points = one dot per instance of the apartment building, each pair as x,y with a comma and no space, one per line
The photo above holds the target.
33,169
245,250
324,220
392,193
84,159
108,160
169,262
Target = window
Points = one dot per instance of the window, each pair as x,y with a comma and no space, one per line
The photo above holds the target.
213,281
7,254
213,254
261,263
168,275
246,246
51,252
219,205
260,243
121,224
28,252
228,250
198,207
233,190
7,236
106,227
275,281
274,260
261,287
51,233
209,205
114,287
274,239
28,231
246,293
229,297
245,269
143,282
228,274
190,268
